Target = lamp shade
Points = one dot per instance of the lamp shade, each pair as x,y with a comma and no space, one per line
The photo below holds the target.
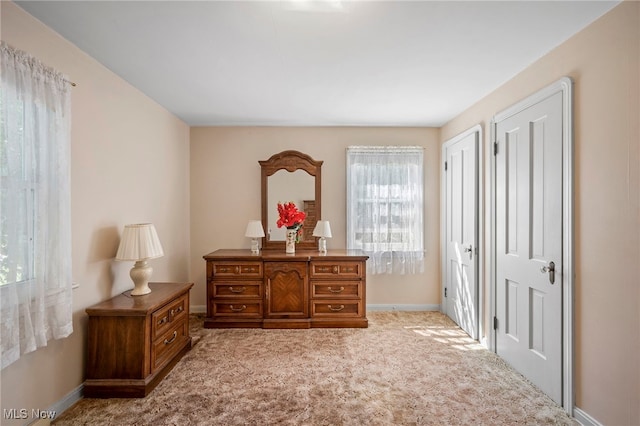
322,229
254,229
139,242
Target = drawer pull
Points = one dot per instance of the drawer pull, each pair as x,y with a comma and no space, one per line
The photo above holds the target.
336,270
337,308
163,320
240,309
170,341
339,290
237,290
236,270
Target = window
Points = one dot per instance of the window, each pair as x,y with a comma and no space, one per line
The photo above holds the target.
17,199
35,219
385,207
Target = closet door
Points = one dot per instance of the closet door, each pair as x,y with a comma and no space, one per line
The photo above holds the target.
529,232
461,210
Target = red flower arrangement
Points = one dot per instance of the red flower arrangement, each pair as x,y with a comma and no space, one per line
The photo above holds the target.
290,216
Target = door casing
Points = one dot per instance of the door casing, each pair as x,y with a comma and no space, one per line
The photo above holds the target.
565,86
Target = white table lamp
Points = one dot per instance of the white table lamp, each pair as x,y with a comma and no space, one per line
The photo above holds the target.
254,231
140,243
322,230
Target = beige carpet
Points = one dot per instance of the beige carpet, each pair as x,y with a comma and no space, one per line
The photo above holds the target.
407,368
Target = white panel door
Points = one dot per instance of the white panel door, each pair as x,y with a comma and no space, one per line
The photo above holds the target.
529,243
461,235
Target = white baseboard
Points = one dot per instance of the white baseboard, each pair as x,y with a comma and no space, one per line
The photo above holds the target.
202,309
198,309
62,405
395,307
584,418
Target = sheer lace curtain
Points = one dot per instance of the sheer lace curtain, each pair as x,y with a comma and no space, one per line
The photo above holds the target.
35,228
385,207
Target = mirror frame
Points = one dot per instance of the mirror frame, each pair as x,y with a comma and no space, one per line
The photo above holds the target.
291,161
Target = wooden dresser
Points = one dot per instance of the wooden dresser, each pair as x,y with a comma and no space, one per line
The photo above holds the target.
273,289
134,341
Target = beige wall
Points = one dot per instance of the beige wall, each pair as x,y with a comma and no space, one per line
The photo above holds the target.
602,60
129,163
225,194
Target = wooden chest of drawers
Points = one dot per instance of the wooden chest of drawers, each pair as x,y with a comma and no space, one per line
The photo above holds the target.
277,290
337,294
134,341
234,292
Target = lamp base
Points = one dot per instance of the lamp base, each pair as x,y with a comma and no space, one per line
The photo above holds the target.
255,247
140,274
322,245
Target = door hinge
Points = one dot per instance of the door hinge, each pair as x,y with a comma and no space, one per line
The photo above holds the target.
495,148
495,323
445,292
445,166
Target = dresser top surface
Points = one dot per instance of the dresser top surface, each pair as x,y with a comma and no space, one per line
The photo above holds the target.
299,255
126,304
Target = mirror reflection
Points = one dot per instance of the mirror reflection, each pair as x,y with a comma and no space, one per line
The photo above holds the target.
298,187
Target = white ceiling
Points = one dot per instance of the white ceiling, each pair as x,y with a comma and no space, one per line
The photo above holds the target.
354,63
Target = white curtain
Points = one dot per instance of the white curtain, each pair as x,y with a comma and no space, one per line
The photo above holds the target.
385,207
35,228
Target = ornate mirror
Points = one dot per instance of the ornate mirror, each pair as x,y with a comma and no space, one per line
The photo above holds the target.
290,176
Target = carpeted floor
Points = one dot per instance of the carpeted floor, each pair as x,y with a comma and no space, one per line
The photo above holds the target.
407,368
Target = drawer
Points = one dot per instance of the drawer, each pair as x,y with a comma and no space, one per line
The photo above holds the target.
336,308
238,289
169,344
341,269
237,308
163,318
336,289
237,269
